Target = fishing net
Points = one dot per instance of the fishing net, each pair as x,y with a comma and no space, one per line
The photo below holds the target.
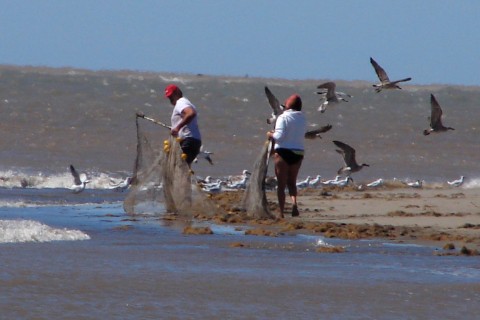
162,180
255,198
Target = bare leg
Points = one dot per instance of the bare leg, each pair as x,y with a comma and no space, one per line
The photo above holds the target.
292,184
281,170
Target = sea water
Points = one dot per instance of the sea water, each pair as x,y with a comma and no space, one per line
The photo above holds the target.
89,260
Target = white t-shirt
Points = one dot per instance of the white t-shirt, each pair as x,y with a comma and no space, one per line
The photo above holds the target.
290,130
190,130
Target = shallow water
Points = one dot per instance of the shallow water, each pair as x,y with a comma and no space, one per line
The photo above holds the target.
144,269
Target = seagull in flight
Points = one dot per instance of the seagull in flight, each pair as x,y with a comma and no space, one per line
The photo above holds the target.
385,82
312,134
79,180
205,155
436,118
329,95
277,108
348,154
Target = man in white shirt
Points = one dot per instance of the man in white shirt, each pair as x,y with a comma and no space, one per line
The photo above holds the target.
184,122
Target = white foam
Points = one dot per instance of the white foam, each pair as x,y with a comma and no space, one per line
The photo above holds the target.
472,183
15,231
16,179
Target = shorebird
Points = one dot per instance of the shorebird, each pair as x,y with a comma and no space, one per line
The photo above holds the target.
239,184
312,134
375,183
79,180
456,183
329,95
304,183
277,108
436,118
315,181
215,187
416,184
331,181
348,154
342,182
122,185
204,154
385,82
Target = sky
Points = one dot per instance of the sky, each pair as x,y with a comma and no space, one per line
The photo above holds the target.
432,41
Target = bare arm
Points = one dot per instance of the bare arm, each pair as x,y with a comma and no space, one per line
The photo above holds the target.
187,116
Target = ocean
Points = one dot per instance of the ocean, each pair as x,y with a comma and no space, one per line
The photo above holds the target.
79,256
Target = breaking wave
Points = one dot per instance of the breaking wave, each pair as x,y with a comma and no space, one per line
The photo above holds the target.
16,231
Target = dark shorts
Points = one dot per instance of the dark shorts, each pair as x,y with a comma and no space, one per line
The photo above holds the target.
191,147
290,156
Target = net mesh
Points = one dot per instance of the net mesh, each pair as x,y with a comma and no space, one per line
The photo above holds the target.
162,180
255,199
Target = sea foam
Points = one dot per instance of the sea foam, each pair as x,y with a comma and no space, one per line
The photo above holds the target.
14,231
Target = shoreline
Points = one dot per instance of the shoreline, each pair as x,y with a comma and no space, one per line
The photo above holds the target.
448,218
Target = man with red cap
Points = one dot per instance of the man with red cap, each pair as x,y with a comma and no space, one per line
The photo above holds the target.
184,122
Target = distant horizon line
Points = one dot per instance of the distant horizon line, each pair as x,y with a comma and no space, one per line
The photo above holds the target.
192,74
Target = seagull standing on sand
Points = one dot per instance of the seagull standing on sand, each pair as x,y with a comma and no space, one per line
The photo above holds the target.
376,183
416,184
79,180
242,184
303,184
329,95
315,181
331,181
122,185
385,82
456,183
348,154
342,182
435,118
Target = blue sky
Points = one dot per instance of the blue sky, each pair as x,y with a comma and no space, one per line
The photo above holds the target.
432,41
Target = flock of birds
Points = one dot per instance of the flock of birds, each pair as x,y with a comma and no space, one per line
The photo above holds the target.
329,95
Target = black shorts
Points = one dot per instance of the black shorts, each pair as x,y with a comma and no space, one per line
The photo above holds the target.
191,147
289,156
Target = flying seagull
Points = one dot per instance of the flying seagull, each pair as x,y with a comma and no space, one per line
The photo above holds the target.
312,134
436,118
79,180
205,155
385,82
277,108
329,95
348,154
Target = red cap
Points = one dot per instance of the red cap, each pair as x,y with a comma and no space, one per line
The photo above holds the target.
170,89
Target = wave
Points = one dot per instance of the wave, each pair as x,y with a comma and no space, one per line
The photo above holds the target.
17,231
19,179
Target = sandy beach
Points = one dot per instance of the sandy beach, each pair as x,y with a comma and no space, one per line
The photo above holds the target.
444,217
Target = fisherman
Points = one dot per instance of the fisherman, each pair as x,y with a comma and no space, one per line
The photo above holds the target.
184,123
289,136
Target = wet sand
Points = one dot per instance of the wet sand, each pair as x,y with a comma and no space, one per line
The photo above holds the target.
447,218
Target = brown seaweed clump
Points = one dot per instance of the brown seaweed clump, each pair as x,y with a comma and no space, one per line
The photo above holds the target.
330,249
261,232
464,251
197,230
